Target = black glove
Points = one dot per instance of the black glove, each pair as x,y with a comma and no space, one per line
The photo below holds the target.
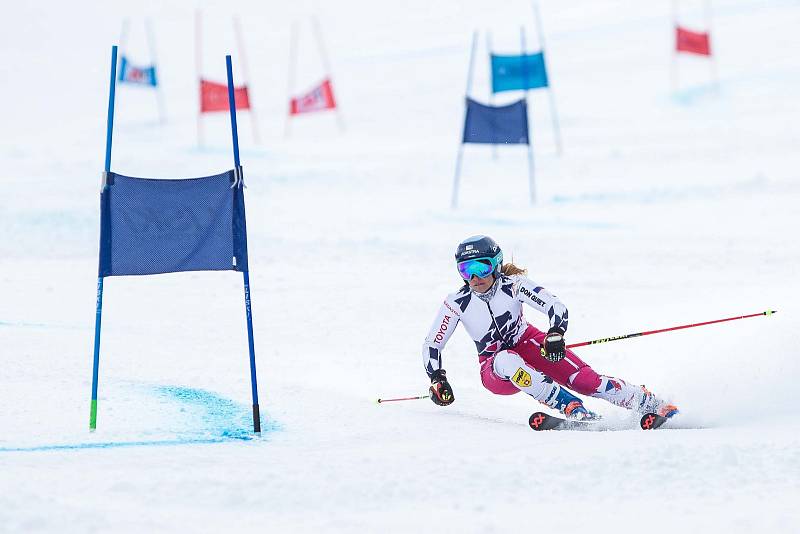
440,391
554,348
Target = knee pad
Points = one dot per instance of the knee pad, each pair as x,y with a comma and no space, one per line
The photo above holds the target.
585,381
506,363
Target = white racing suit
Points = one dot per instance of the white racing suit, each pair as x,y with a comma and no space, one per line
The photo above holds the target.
509,347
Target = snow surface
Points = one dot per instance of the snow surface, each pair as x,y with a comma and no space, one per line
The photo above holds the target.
666,208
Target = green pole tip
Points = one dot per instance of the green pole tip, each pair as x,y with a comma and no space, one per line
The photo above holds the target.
770,312
93,416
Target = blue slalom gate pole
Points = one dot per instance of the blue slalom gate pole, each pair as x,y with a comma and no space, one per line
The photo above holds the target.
245,273
99,309
232,105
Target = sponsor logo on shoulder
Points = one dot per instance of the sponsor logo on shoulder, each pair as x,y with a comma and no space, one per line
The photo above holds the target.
525,291
447,304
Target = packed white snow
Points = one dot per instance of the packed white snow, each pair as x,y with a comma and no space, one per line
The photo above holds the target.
667,207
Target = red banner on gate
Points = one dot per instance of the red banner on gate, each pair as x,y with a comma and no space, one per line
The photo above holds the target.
692,42
214,97
318,99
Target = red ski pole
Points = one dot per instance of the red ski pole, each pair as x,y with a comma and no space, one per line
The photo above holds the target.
647,333
403,399
626,336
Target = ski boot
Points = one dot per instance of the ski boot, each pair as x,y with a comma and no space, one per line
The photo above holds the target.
576,411
571,406
652,404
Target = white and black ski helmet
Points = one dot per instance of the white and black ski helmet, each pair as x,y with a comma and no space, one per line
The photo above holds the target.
480,247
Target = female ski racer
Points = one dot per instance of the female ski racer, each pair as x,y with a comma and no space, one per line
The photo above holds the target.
514,355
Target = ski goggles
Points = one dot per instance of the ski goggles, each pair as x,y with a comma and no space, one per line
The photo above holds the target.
481,268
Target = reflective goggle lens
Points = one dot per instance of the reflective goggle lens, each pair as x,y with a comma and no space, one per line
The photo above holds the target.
480,268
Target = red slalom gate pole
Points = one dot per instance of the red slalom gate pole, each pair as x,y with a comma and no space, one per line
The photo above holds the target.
647,333
402,399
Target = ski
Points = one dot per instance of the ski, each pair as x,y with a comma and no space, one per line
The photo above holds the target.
542,421
651,421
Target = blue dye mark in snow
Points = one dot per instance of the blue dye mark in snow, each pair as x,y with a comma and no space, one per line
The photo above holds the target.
206,418
211,414
110,445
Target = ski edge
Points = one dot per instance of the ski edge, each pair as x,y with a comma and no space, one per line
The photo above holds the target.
540,421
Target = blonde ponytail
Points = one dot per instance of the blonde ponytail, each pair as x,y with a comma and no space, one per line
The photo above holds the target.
510,269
